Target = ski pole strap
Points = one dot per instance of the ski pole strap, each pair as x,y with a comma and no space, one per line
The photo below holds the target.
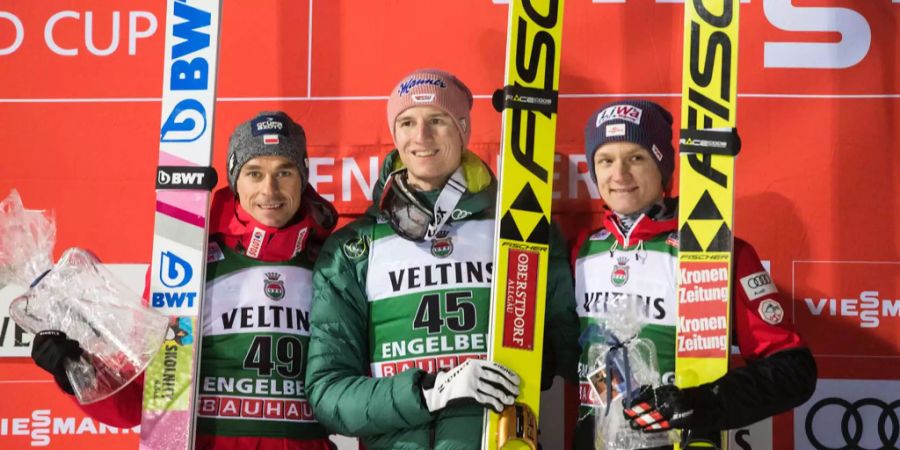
717,141
186,177
531,99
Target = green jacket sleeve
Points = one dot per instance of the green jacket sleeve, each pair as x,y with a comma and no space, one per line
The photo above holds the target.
561,328
344,398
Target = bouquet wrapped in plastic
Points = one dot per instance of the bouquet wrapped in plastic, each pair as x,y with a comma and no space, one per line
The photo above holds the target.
79,297
619,363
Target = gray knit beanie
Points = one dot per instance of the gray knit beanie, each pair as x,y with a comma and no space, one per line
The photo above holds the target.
270,133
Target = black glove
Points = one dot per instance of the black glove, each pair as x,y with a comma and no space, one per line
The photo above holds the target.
659,409
49,350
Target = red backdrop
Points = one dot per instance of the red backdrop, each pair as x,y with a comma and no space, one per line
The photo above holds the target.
817,188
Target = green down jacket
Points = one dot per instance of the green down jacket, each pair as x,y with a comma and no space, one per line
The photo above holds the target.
386,310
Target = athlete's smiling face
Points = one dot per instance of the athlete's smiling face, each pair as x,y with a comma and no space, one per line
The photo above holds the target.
627,177
429,144
269,189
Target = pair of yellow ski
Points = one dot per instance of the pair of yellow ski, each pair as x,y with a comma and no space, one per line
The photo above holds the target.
709,99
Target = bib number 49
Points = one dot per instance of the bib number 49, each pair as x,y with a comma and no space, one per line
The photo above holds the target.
287,359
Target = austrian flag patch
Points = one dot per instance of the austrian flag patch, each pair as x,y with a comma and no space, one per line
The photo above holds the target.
615,129
423,98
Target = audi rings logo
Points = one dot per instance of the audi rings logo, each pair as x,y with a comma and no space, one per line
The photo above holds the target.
759,280
853,425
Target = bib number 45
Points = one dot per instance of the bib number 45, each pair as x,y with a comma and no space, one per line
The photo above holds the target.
457,312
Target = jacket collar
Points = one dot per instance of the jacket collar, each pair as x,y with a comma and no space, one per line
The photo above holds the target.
659,219
238,230
479,197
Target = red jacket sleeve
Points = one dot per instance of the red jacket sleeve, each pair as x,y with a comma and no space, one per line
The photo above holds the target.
759,309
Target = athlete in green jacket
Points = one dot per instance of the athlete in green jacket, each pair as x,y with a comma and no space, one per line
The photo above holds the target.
401,302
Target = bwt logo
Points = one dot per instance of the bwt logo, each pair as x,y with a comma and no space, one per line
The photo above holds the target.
174,272
180,178
186,122
869,307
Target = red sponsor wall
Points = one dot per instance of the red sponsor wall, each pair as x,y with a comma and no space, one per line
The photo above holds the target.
817,182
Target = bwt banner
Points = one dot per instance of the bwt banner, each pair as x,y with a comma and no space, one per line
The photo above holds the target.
817,181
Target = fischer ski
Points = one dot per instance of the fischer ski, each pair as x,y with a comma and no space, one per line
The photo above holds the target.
522,231
708,146
183,183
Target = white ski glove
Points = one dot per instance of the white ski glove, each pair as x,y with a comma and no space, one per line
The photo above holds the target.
474,381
